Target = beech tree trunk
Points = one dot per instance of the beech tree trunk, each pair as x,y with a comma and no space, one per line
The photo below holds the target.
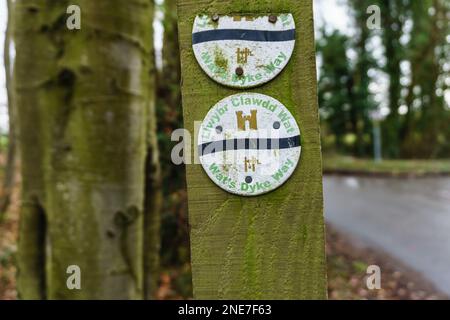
86,120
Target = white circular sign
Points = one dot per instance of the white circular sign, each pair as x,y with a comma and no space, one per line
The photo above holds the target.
249,144
243,52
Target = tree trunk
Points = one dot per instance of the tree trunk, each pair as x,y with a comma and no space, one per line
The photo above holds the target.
170,116
270,246
11,159
171,58
153,194
394,53
85,104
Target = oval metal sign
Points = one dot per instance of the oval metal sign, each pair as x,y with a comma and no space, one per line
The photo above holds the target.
249,144
241,51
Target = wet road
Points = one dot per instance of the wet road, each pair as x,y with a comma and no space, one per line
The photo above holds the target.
408,218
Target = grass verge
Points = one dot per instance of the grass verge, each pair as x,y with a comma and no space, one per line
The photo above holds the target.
335,164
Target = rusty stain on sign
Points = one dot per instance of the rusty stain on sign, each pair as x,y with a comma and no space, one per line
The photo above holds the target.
249,144
242,51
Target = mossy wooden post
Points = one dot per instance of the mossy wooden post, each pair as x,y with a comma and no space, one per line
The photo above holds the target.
270,246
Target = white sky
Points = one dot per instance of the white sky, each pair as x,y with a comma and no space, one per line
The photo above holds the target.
331,11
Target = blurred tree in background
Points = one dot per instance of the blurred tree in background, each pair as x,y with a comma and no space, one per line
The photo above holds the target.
175,253
409,55
335,77
11,152
344,95
89,157
425,129
414,37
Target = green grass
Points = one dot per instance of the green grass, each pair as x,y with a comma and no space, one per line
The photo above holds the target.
345,164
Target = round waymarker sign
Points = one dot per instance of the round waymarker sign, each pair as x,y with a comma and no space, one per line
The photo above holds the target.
249,144
243,51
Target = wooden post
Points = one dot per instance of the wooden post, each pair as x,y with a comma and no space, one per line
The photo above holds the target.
270,246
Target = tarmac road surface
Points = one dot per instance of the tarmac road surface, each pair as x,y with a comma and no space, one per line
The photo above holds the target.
407,218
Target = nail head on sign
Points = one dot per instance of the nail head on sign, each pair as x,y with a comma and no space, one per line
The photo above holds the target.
239,71
215,17
273,18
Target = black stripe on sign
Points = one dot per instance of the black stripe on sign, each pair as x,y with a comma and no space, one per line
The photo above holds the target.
243,34
249,144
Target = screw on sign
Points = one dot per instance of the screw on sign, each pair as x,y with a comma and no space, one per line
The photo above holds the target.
249,144
243,52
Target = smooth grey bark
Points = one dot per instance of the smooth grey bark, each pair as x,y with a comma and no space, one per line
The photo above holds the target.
84,100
